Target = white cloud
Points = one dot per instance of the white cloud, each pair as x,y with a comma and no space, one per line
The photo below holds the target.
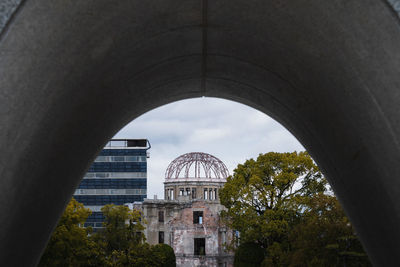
228,130
208,135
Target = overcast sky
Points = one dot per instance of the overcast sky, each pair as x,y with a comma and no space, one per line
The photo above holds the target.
228,130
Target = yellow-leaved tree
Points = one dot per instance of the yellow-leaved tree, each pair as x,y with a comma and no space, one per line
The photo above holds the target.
282,203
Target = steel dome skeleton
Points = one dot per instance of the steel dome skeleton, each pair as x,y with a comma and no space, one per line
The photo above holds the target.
211,166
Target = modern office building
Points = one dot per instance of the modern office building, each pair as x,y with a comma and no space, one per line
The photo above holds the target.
117,176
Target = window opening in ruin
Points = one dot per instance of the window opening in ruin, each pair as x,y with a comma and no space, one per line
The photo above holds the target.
205,193
197,217
199,246
236,236
215,193
211,194
171,192
161,237
181,191
193,193
223,237
188,191
161,216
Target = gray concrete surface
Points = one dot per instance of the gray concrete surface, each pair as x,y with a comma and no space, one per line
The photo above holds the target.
74,72
7,9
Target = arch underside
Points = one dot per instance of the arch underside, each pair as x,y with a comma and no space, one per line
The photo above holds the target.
74,72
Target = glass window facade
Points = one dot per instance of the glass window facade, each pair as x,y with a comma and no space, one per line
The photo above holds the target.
139,183
115,168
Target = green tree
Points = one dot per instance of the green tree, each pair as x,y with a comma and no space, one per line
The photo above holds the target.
261,195
273,200
120,243
70,244
249,255
122,229
325,237
166,255
123,241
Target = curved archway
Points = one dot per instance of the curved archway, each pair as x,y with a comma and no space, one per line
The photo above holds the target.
73,73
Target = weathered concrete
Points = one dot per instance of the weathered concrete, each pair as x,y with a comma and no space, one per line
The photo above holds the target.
74,72
180,231
7,9
192,183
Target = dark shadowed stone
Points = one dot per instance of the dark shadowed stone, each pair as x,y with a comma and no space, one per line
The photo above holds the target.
7,8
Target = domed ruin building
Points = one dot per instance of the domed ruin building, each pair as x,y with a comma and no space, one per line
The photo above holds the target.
188,218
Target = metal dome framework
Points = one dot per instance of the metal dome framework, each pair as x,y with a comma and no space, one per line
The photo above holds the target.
203,163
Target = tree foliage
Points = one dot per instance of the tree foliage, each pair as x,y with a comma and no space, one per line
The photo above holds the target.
249,255
325,237
122,231
70,244
120,243
166,255
280,201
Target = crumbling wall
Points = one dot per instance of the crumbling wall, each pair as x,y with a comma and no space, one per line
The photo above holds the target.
180,231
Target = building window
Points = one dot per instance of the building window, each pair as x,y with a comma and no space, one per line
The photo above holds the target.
160,237
211,194
236,236
205,193
187,191
171,192
197,217
181,191
193,193
199,246
161,216
215,194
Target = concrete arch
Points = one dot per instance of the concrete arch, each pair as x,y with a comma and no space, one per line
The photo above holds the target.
74,72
